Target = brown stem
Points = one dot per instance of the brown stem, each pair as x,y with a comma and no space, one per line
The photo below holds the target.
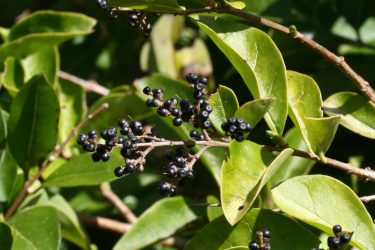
107,193
89,86
105,223
338,61
58,150
197,156
367,199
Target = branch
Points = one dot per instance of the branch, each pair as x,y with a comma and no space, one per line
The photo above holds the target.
58,150
367,199
338,61
107,192
89,86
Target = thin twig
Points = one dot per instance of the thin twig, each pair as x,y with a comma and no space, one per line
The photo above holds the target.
197,156
367,199
89,86
21,196
105,223
338,61
106,191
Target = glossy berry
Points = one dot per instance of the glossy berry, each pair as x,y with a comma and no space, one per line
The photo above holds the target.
337,229
126,153
333,243
90,147
96,157
175,112
182,173
104,134
240,137
146,90
191,77
130,168
206,124
177,121
194,134
345,238
81,139
163,188
105,157
127,143
266,234
111,132
92,134
162,111
203,80
253,246
189,174
119,171
171,171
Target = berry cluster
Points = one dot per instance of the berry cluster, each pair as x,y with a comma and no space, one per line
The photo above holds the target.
341,238
264,241
236,127
131,134
112,13
196,113
138,20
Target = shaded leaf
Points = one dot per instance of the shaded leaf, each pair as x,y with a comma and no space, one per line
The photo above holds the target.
294,166
255,110
247,169
355,111
82,171
6,237
171,213
257,60
305,104
8,172
33,122
36,228
219,235
160,6
70,227
44,29
12,77
213,211
224,105
322,202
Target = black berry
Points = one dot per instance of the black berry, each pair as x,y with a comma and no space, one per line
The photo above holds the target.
177,121
333,243
345,238
119,171
336,229
253,246
81,139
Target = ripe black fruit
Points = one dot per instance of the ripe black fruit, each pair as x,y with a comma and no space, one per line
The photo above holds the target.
333,242
119,171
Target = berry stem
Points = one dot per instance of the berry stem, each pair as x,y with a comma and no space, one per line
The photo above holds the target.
367,199
197,156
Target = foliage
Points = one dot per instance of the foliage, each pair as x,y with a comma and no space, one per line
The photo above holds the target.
302,109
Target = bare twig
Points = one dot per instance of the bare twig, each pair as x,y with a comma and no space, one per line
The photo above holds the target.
107,193
338,61
21,196
367,199
89,86
197,156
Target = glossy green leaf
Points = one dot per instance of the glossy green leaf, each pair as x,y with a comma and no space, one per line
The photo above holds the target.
159,221
82,171
160,6
72,100
44,29
6,237
295,165
257,60
305,104
8,172
213,157
45,61
224,105
236,4
322,202
12,77
356,112
3,34
219,235
255,110
247,169
162,40
36,228
123,103
71,229
33,122
214,209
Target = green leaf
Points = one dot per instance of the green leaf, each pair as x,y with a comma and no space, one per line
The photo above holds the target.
6,238
286,233
123,103
36,228
224,105
44,29
213,157
82,171
45,61
8,172
305,104
247,169
159,221
257,60
255,110
12,77
160,6
322,202
295,165
236,4
355,111
213,212
72,100
33,122
3,34
71,229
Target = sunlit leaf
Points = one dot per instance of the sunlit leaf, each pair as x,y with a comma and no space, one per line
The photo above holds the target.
160,6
